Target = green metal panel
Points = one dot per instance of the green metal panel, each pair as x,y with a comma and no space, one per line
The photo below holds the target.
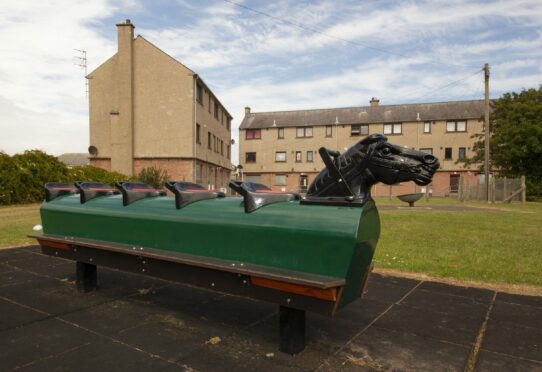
333,241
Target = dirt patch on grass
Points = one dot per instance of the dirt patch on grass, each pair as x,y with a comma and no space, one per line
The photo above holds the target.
521,289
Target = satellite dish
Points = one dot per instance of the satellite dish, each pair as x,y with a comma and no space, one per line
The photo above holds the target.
232,141
93,150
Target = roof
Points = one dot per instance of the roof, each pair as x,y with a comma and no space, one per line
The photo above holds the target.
473,109
194,74
74,159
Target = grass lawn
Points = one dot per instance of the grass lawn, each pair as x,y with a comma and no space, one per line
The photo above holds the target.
503,245
16,222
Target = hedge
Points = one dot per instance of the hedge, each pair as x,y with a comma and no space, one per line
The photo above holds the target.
23,176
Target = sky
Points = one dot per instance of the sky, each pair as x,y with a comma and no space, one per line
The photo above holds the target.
269,55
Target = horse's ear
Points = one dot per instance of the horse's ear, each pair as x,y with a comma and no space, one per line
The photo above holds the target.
377,137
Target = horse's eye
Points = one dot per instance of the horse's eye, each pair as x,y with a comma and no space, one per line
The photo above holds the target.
385,150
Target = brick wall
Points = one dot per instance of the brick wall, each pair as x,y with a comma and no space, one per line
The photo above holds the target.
101,163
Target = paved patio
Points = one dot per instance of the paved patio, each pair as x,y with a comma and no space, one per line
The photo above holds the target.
137,323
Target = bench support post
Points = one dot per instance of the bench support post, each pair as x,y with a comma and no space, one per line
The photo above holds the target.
86,277
292,330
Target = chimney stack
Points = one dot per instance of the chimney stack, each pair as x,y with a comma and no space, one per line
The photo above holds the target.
247,110
374,102
122,155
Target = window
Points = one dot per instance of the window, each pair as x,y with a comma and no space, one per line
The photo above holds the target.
280,133
228,151
228,123
253,134
280,179
250,157
256,178
309,156
298,157
303,132
329,131
448,153
221,147
393,128
209,146
216,110
209,101
199,93
359,129
280,156
214,143
427,150
462,153
198,130
456,126
427,127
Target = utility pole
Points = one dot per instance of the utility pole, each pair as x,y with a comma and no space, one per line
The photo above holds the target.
486,123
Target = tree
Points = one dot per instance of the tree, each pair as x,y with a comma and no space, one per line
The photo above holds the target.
155,177
516,138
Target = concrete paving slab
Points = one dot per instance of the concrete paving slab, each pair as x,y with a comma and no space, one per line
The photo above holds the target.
386,291
444,303
100,355
14,315
519,300
5,268
491,362
385,349
135,322
513,340
51,296
39,340
459,328
521,315
477,294
13,276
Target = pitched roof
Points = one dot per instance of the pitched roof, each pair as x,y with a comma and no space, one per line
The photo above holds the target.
473,109
74,159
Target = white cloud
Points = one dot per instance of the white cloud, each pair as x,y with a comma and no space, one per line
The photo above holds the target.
250,59
41,89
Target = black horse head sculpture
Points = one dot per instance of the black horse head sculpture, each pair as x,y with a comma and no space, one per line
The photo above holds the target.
348,177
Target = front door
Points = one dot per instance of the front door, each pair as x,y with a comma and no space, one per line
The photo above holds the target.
303,183
454,183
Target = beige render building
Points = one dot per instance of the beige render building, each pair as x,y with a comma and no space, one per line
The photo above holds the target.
280,149
147,109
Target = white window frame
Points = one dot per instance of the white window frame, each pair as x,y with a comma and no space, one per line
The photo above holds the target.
280,156
427,127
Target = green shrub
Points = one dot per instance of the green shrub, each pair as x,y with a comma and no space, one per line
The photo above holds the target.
90,173
23,176
9,179
155,177
35,168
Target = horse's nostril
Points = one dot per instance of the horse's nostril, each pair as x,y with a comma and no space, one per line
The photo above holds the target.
429,159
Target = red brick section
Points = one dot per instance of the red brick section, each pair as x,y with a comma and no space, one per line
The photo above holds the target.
101,163
183,170
177,169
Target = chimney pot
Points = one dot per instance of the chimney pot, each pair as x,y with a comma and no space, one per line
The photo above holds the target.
247,110
374,102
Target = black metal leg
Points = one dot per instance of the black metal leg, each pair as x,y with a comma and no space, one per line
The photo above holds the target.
86,277
292,330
